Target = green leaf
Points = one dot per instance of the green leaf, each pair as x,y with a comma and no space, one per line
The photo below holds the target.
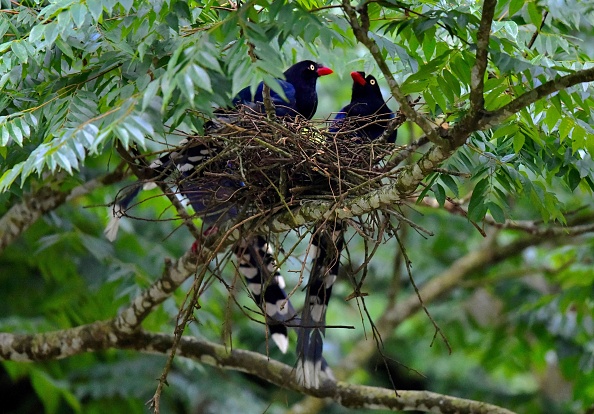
46,391
439,97
515,6
519,140
63,161
89,133
429,101
450,183
96,8
20,51
440,195
505,130
208,61
573,178
10,175
552,117
123,135
431,179
445,89
24,127
5,134
578,136
429,46
79,12
453,82
126,4
15,132
477,207
534,14
51,32
136,133
565,127
36,33
149,94
187,86
143,124
201,78
496,211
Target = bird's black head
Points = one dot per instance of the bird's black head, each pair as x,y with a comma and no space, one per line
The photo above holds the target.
368,103
303,76
365,88
306,71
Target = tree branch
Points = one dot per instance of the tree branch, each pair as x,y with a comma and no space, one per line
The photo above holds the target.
581,225
173,276
538,30
477,78
528,98
101,335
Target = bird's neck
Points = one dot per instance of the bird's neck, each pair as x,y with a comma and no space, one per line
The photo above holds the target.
306,99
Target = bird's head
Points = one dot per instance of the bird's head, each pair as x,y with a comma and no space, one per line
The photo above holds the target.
365,87
306,71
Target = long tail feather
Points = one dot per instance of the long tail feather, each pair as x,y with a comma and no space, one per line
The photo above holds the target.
184,161
256,263
117,212
326,248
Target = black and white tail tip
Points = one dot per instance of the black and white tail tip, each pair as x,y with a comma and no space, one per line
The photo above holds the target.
184,161
257,264
117,212
325,253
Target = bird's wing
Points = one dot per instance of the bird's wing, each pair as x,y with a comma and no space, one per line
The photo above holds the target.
255,101
336,124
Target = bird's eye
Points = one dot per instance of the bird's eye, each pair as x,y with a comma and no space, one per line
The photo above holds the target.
312,67
372,82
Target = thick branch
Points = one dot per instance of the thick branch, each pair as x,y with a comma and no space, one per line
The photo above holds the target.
173,276
100,336
477,78
540,92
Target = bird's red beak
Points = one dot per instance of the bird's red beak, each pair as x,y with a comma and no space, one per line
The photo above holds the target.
323,71
358,78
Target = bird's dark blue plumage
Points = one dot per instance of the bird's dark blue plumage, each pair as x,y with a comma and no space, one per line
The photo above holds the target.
299,87
367,115
283,107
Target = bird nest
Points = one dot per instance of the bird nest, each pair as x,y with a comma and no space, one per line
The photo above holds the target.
276,164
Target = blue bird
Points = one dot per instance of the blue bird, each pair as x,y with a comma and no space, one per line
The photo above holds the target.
299,87
213,199
365,117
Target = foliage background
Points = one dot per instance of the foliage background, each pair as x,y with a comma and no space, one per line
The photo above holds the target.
79,78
